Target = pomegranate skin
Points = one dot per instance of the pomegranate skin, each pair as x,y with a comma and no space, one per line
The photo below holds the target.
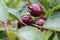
35,10
40,22
27,20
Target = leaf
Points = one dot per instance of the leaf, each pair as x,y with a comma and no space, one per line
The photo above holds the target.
57,36
12,35
11,3
12,17
35,1
14,13
30,33
58,2
52,3
5,39
48,34
51,11
45,3
3,34
22,5
52,36
53,21
3,12
23,8
24,12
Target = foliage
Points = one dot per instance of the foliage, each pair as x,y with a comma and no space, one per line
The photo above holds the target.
12,11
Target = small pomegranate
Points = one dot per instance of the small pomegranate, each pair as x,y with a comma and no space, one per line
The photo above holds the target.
27,20
35,10
40,22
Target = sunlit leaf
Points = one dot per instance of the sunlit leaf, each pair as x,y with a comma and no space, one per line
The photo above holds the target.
14,12
57,36
30,33
3,12
12,35
53,21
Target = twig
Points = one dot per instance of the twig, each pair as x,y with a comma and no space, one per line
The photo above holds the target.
5,26
22,23
39,27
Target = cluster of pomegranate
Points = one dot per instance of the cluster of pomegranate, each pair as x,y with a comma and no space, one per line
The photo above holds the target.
35,11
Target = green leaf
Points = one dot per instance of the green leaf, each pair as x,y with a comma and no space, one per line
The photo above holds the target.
53,21
57,36
12,35
24,12
3,11
12,17
30,33
22,5
52,3
52,36
14,12
51,11
11,3
45,3
35,1
48,34
58,2
5,39
3,34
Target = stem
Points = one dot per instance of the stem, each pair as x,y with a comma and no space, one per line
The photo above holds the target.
22,23
5,26
39,27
